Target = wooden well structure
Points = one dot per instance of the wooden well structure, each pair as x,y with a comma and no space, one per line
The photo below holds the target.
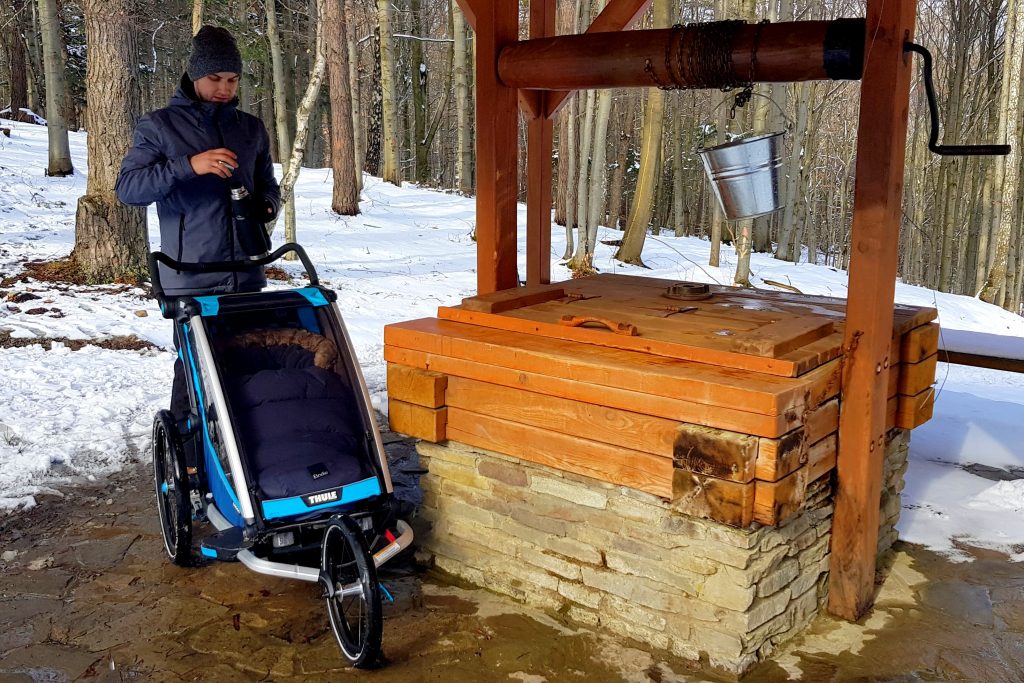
762,367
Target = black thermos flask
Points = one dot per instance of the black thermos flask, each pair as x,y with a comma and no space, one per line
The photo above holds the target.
252,236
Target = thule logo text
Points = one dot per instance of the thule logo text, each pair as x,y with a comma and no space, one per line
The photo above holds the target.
318,498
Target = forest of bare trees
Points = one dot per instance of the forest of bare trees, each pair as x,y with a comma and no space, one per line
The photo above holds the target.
397,102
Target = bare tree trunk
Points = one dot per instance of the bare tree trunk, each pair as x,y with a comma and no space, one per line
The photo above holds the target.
562,170
56,90
1007,169
678,188
197,16
650,165
358,149
793,171
284,143
598,169
375,125
345,193
464,120
244,83
582,184
110,237
570,180
418,78
11,22
392,171
305,108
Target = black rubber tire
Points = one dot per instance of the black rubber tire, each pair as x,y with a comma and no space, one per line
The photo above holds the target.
170,477
357,620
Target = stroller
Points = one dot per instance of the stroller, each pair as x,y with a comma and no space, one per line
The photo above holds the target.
289,465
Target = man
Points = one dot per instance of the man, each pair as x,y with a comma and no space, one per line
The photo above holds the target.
186,157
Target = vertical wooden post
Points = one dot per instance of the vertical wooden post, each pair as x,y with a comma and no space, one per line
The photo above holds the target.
497,130
539,143
878,194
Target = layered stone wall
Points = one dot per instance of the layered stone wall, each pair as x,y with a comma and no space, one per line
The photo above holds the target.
895,467
612,557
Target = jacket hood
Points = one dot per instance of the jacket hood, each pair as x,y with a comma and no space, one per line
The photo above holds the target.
185,96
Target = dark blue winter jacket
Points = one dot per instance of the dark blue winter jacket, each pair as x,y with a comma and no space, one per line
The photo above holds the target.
195,211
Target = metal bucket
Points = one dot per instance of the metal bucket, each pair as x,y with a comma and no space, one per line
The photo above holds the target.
745,175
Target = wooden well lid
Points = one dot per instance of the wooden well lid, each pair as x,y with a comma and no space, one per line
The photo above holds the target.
778,333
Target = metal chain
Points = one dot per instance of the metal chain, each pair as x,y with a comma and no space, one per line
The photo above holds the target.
744,95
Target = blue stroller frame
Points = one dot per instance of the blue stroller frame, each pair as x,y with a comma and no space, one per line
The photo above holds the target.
289,464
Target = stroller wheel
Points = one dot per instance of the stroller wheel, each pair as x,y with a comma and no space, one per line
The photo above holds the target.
170,476
354,607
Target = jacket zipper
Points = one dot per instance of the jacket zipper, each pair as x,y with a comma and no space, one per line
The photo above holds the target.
181,239
231,225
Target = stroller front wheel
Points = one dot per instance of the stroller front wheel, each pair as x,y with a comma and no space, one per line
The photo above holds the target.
354,603
170,475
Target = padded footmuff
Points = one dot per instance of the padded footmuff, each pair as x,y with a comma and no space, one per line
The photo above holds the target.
298,421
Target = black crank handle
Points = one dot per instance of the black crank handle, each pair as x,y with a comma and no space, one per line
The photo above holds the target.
933,111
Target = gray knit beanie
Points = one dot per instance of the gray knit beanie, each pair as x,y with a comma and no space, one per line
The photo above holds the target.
213,50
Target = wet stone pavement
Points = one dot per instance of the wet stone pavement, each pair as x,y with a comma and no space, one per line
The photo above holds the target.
87,594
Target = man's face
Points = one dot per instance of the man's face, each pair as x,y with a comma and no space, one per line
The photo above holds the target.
219,87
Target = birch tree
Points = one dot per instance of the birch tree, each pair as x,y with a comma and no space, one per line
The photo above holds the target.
392,171
294,163
650,166
358,149
197,15
464,119
56,91
1007,168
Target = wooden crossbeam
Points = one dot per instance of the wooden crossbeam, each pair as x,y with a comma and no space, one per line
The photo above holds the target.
616,16
672,58
470,8
881,146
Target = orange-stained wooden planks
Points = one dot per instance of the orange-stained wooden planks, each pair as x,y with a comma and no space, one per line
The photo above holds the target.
641,471
920,343
752,301
679,344
413,420
413,385
508,299
777,458
784,336
775,502
913,378
615,368
914,411
624,399
623,428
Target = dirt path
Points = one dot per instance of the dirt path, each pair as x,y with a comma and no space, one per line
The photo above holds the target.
86,594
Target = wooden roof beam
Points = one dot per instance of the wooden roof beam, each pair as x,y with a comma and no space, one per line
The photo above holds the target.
471,9
786,52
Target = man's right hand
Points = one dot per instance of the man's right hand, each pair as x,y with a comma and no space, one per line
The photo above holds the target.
221,161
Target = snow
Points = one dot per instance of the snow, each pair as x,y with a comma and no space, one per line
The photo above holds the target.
67,415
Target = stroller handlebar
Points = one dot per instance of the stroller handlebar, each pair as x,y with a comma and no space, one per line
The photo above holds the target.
156,257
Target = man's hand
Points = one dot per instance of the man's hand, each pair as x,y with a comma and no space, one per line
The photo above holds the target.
221,161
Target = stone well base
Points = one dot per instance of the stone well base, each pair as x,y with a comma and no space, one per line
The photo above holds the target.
615,558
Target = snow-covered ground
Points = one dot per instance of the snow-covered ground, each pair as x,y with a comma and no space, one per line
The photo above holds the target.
69,414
